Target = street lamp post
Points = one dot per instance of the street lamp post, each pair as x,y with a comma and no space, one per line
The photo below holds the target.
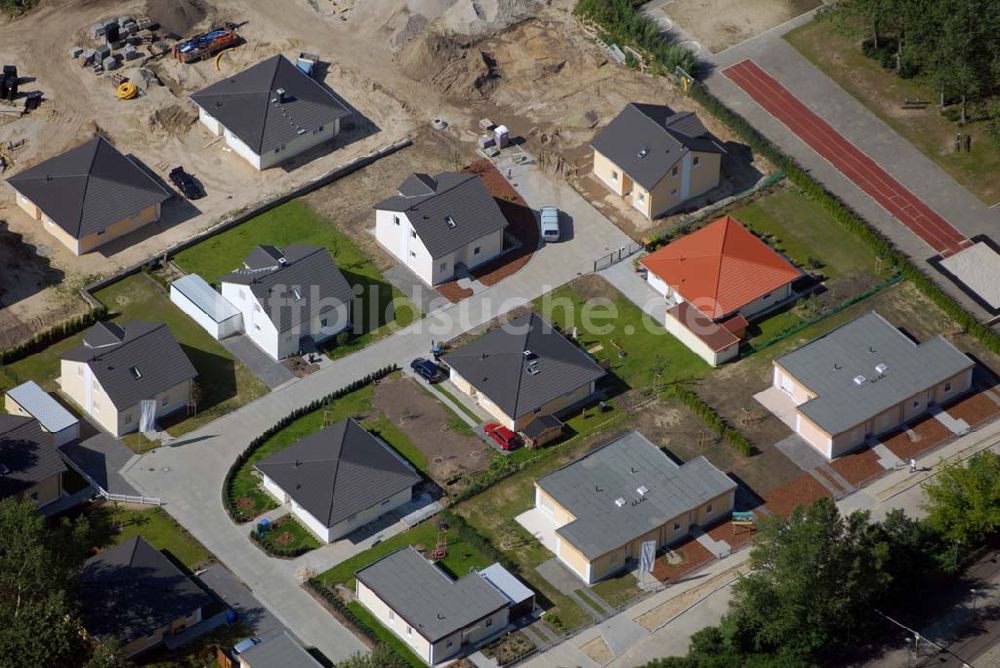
975,599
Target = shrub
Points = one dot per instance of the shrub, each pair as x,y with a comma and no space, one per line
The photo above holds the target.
45,338
712,420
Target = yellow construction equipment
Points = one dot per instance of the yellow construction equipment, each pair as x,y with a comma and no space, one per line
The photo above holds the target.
126,91
218,56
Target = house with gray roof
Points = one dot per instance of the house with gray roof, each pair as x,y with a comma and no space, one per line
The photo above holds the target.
441,226
656,158
120,366
863,379
523,370
271,112
602,507
338,479
30,464
287,295
134,593
279,650
438,617
89,195
30,400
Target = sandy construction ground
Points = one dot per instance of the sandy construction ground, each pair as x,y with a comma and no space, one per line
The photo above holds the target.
719,24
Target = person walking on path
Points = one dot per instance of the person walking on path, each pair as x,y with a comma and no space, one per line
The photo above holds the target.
913,465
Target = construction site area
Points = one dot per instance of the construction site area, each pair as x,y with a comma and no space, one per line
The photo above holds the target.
424,70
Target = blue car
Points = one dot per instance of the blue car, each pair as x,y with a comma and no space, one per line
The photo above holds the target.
426,369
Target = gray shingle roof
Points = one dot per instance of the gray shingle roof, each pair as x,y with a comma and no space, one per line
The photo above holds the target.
133,362
131,590
28,454
306,270
42,406
87,188
429,201
338,472
249,106
589,488
497,365
433,604
279,651
828,366
646,140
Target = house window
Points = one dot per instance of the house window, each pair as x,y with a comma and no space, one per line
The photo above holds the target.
79,370
677,526
395,219
475,251
537,410
413,233
947,387
489,623
409,631
128,419
696,161
163,401
444,266
673,193
767,296
916,403
256,307
449,644
100,232
392,615
34,496
413,254
256,326
614,175
324,322
319,129
708,511
673,171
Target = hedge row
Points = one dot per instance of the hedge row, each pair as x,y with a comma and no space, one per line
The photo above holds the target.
227,493
45,338
689,398
612,22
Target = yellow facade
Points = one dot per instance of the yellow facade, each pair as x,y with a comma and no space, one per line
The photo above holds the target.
551,408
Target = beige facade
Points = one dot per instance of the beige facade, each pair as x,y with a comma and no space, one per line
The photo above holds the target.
45,492
694,174
698,346
140,645
517,424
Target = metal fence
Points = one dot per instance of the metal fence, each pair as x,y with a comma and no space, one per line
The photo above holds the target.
617,255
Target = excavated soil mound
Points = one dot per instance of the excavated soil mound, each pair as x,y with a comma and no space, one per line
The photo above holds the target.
173,119
452,65
176,16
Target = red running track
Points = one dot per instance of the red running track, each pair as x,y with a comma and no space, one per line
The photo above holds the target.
845,156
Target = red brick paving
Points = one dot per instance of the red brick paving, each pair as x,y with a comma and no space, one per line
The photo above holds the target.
830,479
734,535
695,556
801,490
929,431
974,409
858,467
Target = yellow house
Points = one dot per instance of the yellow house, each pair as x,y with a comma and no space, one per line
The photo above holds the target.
119,367
523,370
656,159
89,195
30,464
604,506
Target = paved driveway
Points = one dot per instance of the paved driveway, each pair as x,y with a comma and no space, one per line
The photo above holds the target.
252,614
271,373
100,457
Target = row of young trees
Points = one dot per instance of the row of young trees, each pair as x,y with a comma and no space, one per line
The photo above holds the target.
819,582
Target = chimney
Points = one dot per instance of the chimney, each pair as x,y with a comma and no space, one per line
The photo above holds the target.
281,95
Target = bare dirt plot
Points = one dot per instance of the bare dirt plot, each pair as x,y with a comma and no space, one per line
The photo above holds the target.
719,24
449,453
800,491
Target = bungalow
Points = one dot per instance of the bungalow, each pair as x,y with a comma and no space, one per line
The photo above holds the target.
279,650
30,464
522,371
865,378
338,479
604,506
287,295
89,195
715,280
440,225
270,112
655,158
118,367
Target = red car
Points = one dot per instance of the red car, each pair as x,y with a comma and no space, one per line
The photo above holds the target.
504,437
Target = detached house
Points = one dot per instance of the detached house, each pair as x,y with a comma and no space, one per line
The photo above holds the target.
119,366
30,464
287,295
865,378
338,479
604,506
656,159
716,280
523,371
270,112
439,225
89,195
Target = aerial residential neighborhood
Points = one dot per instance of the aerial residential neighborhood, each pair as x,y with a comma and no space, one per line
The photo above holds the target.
495,333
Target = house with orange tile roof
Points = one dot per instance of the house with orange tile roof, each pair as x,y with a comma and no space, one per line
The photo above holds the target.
715,280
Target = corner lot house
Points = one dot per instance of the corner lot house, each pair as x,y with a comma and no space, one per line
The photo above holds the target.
716,280
338,479
436,616
866,378
605,505
30,400
523,370
656,159
289,294
438,225
119,366
30,464
89,195
134,593
270,112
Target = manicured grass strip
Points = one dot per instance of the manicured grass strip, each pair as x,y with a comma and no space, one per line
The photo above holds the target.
617,590
386,636
582,593
462,407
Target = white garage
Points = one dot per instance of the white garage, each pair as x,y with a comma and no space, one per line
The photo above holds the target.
217,316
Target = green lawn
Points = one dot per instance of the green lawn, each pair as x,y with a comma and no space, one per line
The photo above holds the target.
462,407
287,533
295,222
153,524
617,590
882,92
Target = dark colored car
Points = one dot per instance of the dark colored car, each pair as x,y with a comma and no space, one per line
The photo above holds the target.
503,436
426,369
185,183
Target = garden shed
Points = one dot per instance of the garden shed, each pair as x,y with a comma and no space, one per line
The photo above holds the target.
193,295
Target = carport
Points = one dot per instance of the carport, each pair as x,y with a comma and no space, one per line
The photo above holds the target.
217,316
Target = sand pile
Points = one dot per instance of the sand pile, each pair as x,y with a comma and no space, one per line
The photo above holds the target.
404,20
176,16
454,66
173,119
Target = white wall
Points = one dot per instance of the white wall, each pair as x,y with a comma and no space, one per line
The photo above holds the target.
256,324
218,330
658,284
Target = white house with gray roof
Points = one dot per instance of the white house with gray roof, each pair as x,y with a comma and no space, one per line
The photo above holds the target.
865,378
338,479
603,507
437,616
270,112
289,294
438,225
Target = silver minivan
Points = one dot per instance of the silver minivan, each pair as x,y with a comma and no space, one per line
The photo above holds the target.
550,223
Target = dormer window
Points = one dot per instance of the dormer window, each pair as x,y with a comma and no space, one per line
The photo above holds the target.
450,222
136,373
296,294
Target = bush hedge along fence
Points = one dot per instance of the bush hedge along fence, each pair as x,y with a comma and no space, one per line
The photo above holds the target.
713,420
47,337
227,486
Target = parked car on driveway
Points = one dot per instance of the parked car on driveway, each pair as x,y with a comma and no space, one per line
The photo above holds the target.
185,183
503,436
550,223
426,369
